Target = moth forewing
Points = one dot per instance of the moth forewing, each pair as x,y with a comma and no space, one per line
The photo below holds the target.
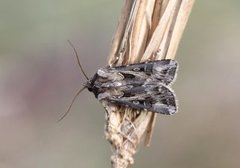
165,71
156,98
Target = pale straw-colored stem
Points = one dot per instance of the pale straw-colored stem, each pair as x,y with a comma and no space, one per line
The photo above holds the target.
147,30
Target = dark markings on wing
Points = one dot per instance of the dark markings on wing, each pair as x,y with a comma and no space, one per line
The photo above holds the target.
158,99
161,70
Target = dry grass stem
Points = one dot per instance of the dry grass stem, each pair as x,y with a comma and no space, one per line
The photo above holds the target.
147,30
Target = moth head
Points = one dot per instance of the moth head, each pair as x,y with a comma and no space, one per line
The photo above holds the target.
89,85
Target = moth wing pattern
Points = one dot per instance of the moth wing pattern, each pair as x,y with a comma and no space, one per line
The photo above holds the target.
165,71
155,98
141,86
161,70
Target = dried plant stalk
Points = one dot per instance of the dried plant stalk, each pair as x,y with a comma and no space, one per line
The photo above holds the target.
147,30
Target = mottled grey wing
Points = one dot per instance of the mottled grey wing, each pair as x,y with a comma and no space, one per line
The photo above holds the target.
162,70
155,98
165,71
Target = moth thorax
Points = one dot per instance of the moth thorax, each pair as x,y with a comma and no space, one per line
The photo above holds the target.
110,75
102,72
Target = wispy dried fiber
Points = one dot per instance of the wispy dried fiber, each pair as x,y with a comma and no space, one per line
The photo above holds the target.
147,30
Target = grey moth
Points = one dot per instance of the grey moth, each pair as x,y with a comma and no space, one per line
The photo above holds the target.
142,86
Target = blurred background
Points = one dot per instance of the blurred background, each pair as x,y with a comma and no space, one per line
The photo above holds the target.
39,76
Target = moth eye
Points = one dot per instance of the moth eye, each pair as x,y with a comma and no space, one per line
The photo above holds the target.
135,102
136,69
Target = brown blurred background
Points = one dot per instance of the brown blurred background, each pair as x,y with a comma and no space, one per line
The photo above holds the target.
39,76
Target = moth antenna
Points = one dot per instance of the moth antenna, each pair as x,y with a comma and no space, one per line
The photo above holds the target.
70,106
78,60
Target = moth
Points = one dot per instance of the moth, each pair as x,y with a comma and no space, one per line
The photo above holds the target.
140,86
